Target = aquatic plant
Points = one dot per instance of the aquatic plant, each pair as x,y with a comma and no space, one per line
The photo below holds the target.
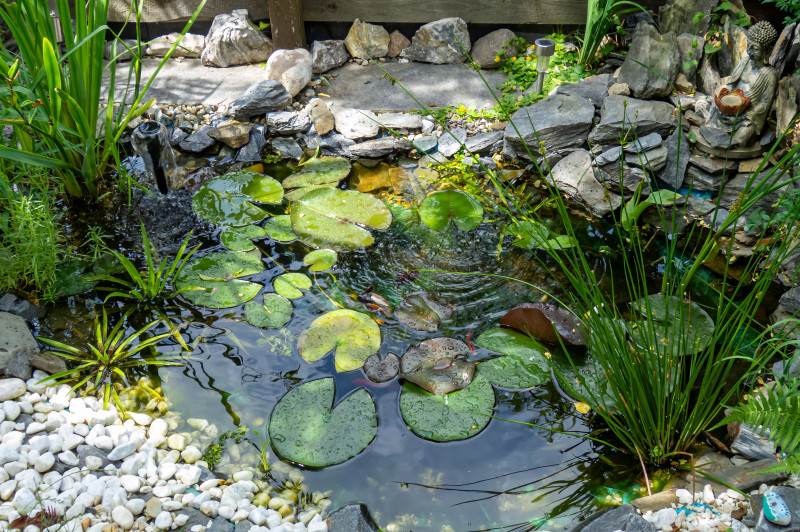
601,16
108,357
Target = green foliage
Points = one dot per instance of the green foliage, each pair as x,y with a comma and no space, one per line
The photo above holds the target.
601,16
214,452
791,7
108,356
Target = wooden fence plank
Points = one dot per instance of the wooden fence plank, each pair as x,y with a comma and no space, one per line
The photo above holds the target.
287,25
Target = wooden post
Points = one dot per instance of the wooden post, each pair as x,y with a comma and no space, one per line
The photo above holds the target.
286,19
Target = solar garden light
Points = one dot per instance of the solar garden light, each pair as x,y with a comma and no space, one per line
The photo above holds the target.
544,49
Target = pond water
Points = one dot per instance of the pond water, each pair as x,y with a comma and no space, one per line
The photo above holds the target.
510,476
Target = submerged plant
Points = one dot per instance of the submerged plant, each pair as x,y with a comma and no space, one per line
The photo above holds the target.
108,357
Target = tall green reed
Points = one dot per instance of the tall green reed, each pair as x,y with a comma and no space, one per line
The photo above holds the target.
601,16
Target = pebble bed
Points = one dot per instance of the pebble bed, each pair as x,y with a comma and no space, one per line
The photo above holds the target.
67,456
706,512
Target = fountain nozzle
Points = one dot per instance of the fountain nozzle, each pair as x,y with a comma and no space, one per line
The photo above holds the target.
151,143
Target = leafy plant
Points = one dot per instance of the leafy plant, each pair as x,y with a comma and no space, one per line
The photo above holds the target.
213,454
108,356
601,16
791,7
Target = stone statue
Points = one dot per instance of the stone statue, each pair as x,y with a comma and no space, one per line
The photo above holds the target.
744,98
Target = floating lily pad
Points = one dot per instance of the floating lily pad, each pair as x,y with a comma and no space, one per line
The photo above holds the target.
439,207
585,381
274,313
332,218
545,322
354,336
226,200
524,364
306,428
289,285
455,416
438,365
320,260
296,194
71,278
240,238
280,228
320,171
422,311
212,281
384,369
529,235
632,210
680,327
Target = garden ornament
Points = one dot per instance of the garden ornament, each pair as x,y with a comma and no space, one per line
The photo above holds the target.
151,143
544,49
775,509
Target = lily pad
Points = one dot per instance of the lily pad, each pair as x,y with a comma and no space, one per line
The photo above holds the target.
240,238
524,364
680,327
546,322
422,311
585,381
354,336
455,416
384,369
529,235
320,260
274,313
296,194
438,365
226,200
306,428
632,210
331,218
439,207
320,171
280,228
71,278
212,281
289,285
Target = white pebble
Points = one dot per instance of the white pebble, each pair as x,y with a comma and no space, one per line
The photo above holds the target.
123,517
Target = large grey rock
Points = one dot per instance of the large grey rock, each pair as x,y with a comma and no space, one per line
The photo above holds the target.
191,45
448,145
733,50
199,141
287,148
232,40
714,165
779,57
691,48
116,49
287,122
678,155
17,346
260,98
356,124
559,121
366,41
734,188
20,307
441,41
753,444
574,175
379,147
400,121
486,143
652,160
490,46
701,181
708,76
641,144
623,116
678,16
331,143
791,496
622,518
351,518
251,152
652,63
787,102
594,89
326,55
622,178
291,67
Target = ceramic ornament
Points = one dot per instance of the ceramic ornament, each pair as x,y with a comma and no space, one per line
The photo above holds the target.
775,509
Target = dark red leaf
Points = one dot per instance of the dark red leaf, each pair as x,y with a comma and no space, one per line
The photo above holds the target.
545,322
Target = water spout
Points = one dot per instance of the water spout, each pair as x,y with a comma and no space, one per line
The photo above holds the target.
151,143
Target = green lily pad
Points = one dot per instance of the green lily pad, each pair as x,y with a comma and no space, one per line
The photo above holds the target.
212,281
240,238
439,207
672,327
296,194
306,428
438,366
320,260
422,311
524,364
320,171
332,218
354,336
274,313
585,381
71,278
226,200
455,416
289,284
280,228
529,235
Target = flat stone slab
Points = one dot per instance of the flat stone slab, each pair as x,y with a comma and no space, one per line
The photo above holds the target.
367,87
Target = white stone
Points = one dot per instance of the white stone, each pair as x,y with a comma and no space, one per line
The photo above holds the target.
258,516
7,489
11,389
11,410
664,517
208,484
136,506
56,442
68,457
104,443
93,462
319,526
163,521
240,515
171,506
180,520
226,511
158,428
25,406
177,442
121,452
708,494
292,68
44,462
24,501
189,475
273,519
210,508
8,453
166,471
123,517
12,468
131,483
191,454
243,475
34,428
76,510
141,418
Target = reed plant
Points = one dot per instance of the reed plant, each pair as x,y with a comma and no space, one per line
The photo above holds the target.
601,16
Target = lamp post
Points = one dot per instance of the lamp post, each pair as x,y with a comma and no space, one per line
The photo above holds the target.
544,50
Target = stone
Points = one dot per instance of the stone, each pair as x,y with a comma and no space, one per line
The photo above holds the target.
678,156
17,348
24,501
221,524
787,102
619,89
292,68
493,45
327,55
647,142
708,76
486,143
791,496
116,49
352,518
622,115
714,165
683,84
232,40
701,181
574,175
691,48
452,141
232,133
622,518
261,97
332,143
251,152
287,148
356,124
664,518
426,143
123,517
594,89
190,46
199,141
367,41
321,116
397,43
163,520
652,160
379,147
779,57
752,443
400,121
12,388
152,508
652,63
557,122
441,41
656,501
49,363
123,451
287,122
678,16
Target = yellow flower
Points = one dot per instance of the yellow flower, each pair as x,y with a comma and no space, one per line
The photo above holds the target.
514,58
529,58
497,59
583,408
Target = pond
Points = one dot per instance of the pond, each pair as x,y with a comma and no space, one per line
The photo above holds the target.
508,476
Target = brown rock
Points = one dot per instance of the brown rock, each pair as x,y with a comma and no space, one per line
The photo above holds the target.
619,88
397,43
321,116
366,41
232,134
683,84
655,502
751,165
48,363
